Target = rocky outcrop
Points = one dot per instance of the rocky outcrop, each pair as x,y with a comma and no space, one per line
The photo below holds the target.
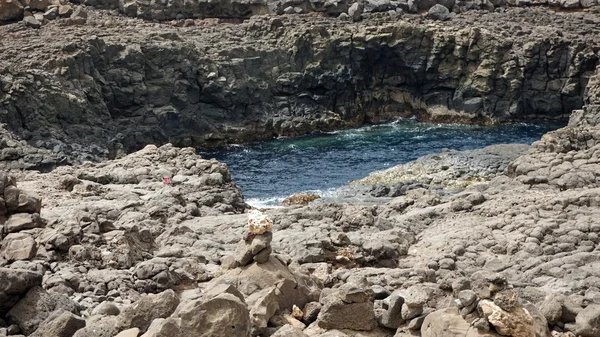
102,96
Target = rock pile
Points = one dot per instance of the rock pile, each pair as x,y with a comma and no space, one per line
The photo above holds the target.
256,244
36,13
21,221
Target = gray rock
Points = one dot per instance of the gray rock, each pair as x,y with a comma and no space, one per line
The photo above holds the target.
22,221
467,297
60,323
32,22
438,12
392,318
224,315
36,306
338,314
311,312
18,246
588,321
552,308
11,193
148,308
15,283
106,308
351,293
355,11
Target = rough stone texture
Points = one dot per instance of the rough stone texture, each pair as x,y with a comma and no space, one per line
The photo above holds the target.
224,315
588,321
36,306
18,246
448,323
517,322
144,311
60,323
15,283
104,95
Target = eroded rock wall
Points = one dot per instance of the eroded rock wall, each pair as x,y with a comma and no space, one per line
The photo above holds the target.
118,85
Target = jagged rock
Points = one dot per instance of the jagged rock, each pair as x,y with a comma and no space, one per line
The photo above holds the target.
392,318
36,306
517,322
551,308
350,307
148,308
588,321
15,283
258,222
60,323
311,312
11,197
65,11
99,326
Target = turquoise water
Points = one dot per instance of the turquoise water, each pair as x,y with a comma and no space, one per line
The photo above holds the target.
267,172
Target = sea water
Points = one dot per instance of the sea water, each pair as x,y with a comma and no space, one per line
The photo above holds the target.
267,172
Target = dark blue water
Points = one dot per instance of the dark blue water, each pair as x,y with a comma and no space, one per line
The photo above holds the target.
269,171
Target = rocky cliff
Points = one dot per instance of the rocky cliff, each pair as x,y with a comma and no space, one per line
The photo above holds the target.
110,86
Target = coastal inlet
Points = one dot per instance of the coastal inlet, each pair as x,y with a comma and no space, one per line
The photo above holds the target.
267,172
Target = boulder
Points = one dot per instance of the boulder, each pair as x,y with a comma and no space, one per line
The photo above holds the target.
438,12
587,322
15,283
36,306
10,10
292,288
65,11
517,322
32,22
258,222
21,221
60,323
289,330
144,311
224,315
11,192
449,323
18,246
99,326
349,307
392,318
29,203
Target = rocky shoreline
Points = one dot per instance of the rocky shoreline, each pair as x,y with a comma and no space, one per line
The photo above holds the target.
104,235
121,83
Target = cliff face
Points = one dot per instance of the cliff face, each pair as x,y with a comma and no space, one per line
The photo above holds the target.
120,84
